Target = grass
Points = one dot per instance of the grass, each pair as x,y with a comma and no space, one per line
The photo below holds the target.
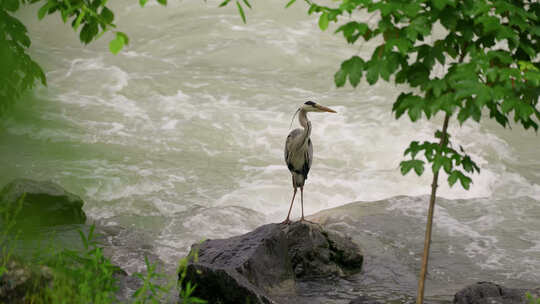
81,276
532,300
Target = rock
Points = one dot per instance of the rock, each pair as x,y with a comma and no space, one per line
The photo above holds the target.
264,264
491,293
45,203
365,300
323,254
18,280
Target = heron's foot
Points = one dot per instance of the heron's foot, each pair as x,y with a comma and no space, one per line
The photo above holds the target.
304,220
286,222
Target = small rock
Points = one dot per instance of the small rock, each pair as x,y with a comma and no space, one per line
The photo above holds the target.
365,300
490,293
18,279
45,203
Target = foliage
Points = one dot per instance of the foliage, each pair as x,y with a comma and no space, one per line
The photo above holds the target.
18,71
8,231
239,7
151,291
85,276
186,289
532,300
488,56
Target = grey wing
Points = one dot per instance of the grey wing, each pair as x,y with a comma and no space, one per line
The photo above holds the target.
309,159
289,143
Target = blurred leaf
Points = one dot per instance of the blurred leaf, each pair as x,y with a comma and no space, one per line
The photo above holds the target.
290,3
10,5
241,11
353,30
117,43
45,9
224,3
124,36
142,2
78,20
323,21
439,4
107,15
88,32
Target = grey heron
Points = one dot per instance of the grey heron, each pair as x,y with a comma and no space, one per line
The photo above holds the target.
299,151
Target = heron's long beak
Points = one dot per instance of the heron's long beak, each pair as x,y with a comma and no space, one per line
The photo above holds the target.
324,109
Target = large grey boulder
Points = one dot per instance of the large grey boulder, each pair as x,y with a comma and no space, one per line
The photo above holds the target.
263,265
491,293
45,203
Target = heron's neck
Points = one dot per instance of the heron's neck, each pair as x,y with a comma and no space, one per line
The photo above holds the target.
304,122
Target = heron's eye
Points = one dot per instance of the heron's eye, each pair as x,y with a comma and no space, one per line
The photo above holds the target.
309,103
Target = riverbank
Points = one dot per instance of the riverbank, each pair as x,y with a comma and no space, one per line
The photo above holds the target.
382,231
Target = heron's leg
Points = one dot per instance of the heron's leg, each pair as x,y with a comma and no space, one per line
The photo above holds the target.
302,201
286,221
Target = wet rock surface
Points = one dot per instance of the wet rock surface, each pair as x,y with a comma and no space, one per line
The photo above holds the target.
263,265
45,203
491,293
17,279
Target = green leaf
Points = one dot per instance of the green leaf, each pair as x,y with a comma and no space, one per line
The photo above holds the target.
290,3
437,163
418,74
353,30
403,45
416,164
323,21
439,4
78,20
465,181
246,2
45,9
107,15
124,36
376,67
241,11
162,2
507,105
355,71
88,32
453,177
353,68
10,5
489,23
413,149
117,43
222,4
524,110
340,77
449,18
142,2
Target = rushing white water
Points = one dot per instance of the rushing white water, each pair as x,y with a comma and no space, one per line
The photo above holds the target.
181,134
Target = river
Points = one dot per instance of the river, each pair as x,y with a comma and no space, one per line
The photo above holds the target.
180,136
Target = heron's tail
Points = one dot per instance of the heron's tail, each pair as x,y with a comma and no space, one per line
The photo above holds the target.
299,179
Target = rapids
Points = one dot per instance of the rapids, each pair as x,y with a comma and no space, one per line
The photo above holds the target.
180,137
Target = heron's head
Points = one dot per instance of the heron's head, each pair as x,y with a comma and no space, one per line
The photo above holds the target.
310,106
